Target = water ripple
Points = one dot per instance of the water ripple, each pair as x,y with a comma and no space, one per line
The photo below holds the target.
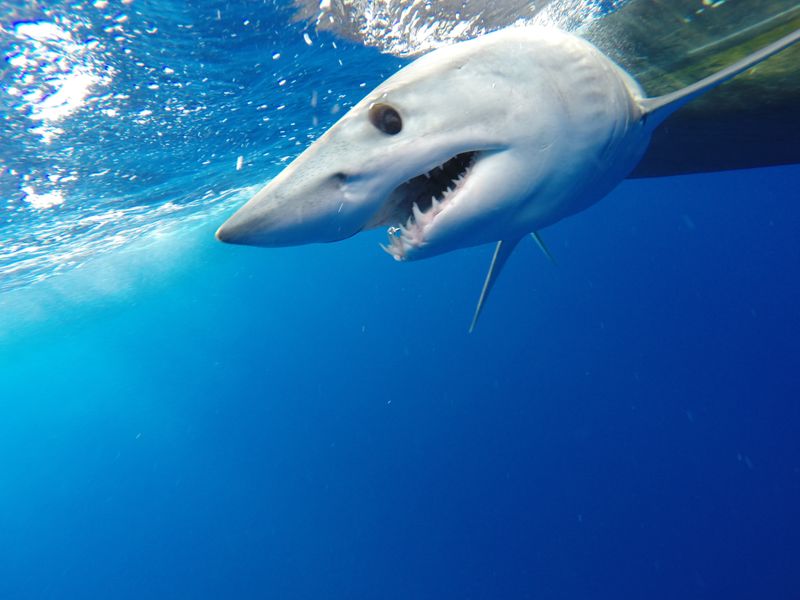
118,118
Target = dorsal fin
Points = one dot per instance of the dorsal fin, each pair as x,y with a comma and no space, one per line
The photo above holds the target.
660,107
502,251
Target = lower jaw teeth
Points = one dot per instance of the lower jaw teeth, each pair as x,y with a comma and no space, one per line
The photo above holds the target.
411,232
418,219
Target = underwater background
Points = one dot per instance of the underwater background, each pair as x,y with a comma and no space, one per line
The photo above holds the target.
185,419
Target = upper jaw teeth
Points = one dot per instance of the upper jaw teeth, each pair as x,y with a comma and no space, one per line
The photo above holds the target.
418,215
401,237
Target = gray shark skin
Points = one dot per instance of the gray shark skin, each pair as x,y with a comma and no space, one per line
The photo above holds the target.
483,141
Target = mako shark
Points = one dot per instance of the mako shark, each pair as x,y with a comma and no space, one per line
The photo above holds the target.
485,141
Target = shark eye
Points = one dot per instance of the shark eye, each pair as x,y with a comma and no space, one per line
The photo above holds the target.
385,118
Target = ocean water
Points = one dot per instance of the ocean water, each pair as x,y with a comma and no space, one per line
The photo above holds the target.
185,419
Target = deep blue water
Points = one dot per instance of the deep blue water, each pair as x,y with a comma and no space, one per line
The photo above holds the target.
184,419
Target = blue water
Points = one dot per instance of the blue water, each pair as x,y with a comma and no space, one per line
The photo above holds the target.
184,419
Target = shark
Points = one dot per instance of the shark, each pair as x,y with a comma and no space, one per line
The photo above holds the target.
485,141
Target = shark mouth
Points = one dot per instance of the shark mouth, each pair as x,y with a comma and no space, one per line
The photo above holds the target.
412,206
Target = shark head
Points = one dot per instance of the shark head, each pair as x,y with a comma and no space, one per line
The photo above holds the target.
446,152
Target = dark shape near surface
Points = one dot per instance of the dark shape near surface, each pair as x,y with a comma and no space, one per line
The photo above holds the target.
751,121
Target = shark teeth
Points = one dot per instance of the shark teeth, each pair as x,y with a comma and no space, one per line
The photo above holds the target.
411,234
443,182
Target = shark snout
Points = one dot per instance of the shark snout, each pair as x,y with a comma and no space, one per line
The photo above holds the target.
273,222
288,215
260,222
237,231
227,234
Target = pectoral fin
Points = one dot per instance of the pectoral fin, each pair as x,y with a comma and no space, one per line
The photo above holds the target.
502,251
540,242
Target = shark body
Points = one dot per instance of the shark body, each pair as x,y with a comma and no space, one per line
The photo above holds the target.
484,141
501,135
